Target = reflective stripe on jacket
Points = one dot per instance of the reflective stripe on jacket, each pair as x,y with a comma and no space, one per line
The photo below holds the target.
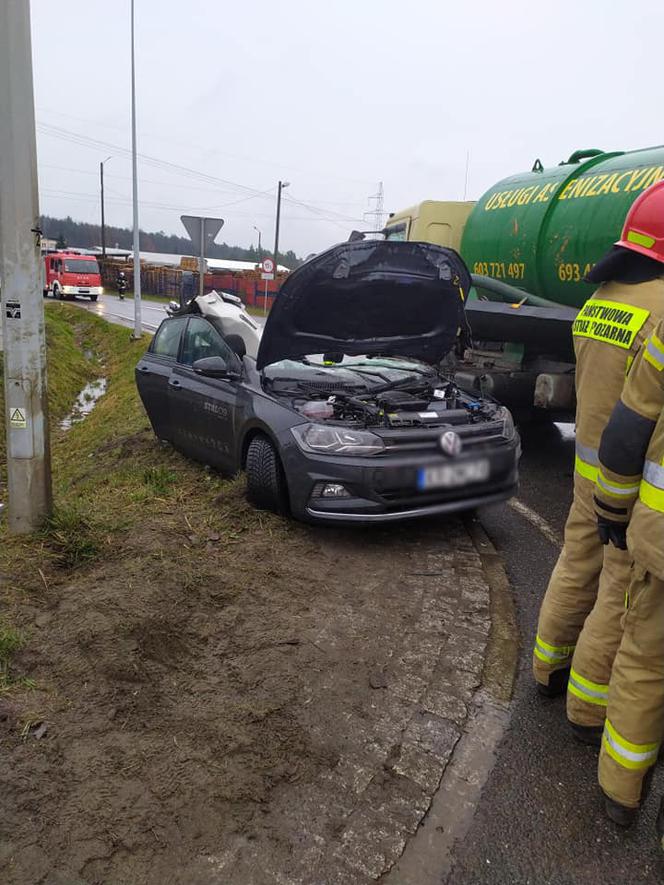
608,333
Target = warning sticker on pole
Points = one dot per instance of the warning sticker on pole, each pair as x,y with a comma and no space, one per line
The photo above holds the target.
17,419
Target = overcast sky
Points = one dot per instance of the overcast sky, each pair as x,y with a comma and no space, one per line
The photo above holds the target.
333,97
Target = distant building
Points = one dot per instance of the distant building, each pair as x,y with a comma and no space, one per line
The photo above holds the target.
185,262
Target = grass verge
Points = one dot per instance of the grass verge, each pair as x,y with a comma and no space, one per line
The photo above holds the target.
125,504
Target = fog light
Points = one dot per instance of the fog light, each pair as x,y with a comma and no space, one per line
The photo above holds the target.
330,490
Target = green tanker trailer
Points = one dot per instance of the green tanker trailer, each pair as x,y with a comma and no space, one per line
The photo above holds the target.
529,241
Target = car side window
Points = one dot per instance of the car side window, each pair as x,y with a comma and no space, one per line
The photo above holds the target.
202,340
167,340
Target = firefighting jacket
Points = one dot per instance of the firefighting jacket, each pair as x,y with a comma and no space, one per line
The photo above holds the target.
630,479
608,332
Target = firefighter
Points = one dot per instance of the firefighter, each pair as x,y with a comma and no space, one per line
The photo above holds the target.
630,482
608,333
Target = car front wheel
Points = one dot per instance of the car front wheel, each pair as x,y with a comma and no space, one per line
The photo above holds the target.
266,483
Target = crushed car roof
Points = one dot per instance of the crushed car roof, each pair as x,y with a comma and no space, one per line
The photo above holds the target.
384,297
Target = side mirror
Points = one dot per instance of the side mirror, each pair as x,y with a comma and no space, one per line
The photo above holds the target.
215,367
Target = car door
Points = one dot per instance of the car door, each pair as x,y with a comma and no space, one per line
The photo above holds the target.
203,409
153,374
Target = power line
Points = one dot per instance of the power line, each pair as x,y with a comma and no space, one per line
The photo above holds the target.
79,196
277,164
95,175
98,144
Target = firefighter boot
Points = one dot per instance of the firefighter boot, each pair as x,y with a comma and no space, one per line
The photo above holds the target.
625,816
557,684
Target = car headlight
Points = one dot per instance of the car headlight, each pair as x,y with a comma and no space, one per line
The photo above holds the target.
509,430
336,440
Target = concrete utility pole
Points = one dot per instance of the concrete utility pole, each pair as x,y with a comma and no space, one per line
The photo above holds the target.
103,219
28,454
103,222
282,185
138,328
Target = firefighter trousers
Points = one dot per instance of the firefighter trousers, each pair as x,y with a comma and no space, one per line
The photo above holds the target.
588,685
635,712
573,586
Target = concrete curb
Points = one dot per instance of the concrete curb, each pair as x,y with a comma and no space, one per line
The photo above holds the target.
427,857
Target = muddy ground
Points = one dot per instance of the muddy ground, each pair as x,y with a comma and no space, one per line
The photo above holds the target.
205,708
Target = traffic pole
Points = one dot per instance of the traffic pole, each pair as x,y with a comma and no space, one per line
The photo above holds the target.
201,261
276,225
26,407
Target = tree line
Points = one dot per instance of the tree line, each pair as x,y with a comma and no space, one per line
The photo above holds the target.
83,235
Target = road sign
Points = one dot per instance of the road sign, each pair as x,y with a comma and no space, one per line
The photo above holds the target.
267,265
202,231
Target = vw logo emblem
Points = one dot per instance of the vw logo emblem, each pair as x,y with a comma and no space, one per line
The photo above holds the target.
450,443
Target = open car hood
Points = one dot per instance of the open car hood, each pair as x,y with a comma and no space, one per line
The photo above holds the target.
370,297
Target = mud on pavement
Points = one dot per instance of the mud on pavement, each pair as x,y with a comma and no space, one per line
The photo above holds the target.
283,713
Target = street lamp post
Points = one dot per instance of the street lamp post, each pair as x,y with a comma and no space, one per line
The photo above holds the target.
282,185
103,222
259,241
134,168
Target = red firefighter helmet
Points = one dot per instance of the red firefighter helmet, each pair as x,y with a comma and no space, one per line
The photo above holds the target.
643,230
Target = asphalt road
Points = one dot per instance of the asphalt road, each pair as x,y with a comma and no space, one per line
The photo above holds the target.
540,819
111,308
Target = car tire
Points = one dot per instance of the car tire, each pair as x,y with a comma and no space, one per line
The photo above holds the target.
56,292
266,483
93,297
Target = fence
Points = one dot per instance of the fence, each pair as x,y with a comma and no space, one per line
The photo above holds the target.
172,282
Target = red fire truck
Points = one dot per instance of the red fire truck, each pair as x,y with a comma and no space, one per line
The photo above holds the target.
68,274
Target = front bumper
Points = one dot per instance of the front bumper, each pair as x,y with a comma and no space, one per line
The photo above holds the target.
83,290
426,510
385,489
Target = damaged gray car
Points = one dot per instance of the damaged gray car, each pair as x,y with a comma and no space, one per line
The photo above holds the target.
349,413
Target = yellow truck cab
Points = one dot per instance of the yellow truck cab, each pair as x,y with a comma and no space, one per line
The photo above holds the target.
433,221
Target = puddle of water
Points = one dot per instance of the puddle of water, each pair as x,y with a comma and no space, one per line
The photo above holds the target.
85,403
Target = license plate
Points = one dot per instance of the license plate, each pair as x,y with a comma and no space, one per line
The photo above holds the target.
448,476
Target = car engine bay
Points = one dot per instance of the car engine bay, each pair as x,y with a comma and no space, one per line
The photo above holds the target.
400,397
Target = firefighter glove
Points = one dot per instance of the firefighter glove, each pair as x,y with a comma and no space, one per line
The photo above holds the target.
612,532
